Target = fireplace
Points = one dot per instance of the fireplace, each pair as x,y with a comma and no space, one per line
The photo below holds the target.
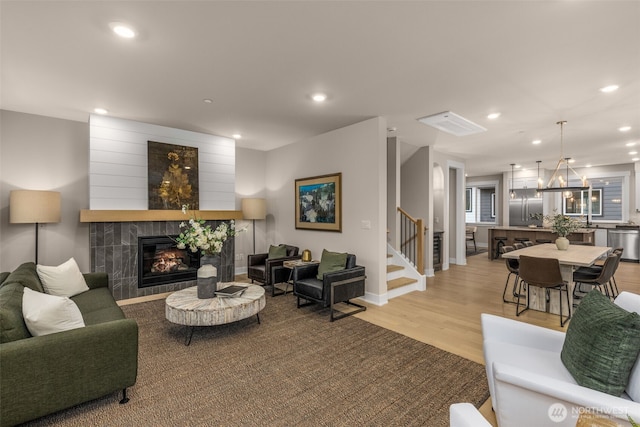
160,261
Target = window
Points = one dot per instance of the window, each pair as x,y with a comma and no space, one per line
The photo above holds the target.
480,203
578,203
609,198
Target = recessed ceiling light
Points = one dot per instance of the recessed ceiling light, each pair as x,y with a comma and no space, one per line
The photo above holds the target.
493,116
100,111
630,144
588,165
207,101
572,160
624,128
633,153
518,166
536,141
236,136
635,159
610,88
122,30
319,97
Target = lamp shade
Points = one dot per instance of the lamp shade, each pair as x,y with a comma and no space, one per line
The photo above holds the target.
254,208
33,206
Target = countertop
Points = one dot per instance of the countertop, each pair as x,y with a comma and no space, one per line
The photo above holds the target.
582,230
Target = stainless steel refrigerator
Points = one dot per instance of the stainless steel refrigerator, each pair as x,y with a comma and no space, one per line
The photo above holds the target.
523,206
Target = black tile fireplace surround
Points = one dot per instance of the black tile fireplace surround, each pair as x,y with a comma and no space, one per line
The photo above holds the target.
114,250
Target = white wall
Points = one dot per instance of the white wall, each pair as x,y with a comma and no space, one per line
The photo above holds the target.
393,191
359,153
118,164
42,153
416,185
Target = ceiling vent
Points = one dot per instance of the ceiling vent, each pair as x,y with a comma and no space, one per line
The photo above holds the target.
452,123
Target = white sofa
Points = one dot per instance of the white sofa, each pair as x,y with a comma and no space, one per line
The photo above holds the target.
466,415
530,385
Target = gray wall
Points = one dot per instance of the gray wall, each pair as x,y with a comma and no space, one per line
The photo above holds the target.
42,153
359,153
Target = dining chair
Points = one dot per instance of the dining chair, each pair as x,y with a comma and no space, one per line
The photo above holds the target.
542,273
470,236
603,280
596,269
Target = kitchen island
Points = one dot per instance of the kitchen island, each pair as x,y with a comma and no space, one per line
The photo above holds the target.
584,236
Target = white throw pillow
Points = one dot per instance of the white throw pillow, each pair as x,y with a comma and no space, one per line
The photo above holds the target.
65,280
47,314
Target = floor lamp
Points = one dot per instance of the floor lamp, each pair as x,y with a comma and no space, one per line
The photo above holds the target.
254,209
34,207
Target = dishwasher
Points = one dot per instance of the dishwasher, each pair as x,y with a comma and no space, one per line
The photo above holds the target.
627,237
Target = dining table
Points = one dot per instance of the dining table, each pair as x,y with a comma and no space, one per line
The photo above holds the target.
574,257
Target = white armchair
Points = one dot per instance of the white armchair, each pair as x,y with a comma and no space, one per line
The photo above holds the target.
466,415
530,385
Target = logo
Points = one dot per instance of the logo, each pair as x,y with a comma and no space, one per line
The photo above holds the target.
557,412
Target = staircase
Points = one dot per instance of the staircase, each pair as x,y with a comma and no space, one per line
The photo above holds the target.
402,276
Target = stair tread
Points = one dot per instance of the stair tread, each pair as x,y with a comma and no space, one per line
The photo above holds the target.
392,267
399,282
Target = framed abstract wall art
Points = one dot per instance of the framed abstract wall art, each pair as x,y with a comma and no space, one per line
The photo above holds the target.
319,202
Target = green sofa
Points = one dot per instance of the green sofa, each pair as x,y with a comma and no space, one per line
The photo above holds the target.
44,374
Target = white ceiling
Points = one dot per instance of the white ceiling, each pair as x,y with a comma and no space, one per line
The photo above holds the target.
536,62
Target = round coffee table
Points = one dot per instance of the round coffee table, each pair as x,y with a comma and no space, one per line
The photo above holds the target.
185,308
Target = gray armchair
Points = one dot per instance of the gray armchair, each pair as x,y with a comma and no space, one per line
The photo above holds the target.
260,267
334,287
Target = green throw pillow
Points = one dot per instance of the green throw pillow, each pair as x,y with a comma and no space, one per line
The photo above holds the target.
279,251
26,275
602,344
331,261
12,326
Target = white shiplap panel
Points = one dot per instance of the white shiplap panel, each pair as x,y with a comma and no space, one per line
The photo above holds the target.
216,159
221,187
119,204
213,200
99,168
118,181
218,168
218,149
150,131
217,177
118,193
101,144
118,149
117,158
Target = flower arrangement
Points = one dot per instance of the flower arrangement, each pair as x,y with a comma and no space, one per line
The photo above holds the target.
200,236
562,225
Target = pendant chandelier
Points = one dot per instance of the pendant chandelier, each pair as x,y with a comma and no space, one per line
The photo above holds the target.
558,182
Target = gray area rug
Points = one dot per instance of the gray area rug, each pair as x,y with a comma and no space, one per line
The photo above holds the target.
295,368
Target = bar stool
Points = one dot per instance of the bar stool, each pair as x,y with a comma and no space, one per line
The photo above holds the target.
512,267
528,243
502,240
540,241
518,245
521,239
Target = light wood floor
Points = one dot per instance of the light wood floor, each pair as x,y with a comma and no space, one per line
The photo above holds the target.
447,314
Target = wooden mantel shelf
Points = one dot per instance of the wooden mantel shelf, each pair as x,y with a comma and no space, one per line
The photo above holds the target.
87,215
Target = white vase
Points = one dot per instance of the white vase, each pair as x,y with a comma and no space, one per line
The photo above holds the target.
562,243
